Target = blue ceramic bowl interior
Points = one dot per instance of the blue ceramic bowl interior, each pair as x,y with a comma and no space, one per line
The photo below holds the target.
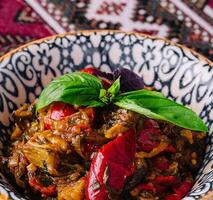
176,71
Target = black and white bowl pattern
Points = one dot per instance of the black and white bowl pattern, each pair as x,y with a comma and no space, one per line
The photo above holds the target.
177,71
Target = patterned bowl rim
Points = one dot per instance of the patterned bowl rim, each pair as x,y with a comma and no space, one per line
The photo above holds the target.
200,57
90,32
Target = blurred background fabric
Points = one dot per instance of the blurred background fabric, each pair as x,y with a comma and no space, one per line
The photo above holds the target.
189,22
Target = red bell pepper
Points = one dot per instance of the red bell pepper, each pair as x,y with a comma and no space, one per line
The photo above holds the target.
180,191
89,148
147,187
166,180
149,139
172,197
161,188
152,188
183,188
48,191
161,163
111,166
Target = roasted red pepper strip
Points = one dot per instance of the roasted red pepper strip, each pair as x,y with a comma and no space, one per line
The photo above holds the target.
147,187
166,180
161,163
183,188
111,166
89,148
149,139
47,191
180,191
161,188
152,188
172,197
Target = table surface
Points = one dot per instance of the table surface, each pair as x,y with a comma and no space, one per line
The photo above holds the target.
188,22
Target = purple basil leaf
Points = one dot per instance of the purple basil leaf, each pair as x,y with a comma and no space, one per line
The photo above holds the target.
129,80
105,75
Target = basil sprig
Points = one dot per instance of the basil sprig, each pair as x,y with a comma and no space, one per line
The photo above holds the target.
107,96
154,105
79,88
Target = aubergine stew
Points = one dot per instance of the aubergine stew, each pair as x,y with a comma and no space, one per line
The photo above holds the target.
98,136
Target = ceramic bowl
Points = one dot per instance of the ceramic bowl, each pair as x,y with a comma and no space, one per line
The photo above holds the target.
178,72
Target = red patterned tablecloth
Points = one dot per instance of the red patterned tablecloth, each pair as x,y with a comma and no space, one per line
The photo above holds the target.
189,22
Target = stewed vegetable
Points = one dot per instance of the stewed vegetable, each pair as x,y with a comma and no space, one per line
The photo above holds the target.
98,136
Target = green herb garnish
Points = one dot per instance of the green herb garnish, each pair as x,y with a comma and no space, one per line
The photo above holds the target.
79,88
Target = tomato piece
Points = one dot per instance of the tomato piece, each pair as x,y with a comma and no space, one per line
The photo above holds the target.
149,139
60,110
47,191
111,166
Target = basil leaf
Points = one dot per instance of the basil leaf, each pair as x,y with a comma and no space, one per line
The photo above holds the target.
154,105
107,96
115,88
77,88
103,96
129,80
136,93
